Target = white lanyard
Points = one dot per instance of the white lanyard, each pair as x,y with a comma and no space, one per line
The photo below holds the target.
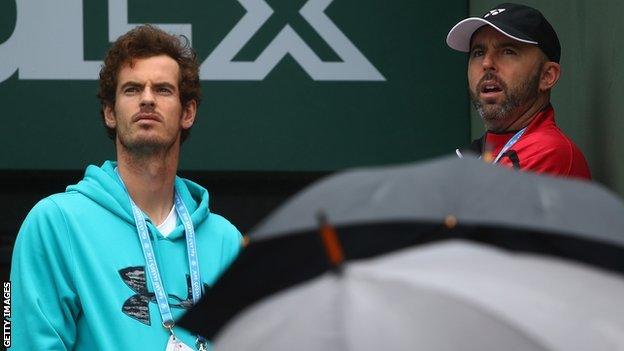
514,139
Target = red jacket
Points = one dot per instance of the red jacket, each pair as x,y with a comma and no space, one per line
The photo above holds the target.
543,148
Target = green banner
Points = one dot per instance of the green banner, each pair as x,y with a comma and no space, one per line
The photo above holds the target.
298,85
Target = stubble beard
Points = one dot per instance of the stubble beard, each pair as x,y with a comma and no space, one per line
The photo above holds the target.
496,117
142,147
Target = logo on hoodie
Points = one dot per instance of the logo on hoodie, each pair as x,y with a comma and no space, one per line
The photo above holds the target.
137,306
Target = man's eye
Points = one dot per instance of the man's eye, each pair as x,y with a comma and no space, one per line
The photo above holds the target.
131,90
509,52
476,53
166,91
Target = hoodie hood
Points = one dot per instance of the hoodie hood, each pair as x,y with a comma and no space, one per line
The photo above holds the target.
103,186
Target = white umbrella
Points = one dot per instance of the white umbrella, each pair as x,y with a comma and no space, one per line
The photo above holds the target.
453,295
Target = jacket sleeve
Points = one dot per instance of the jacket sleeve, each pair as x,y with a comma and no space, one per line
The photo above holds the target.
45,303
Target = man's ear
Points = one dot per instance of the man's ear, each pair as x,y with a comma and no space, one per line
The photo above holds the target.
551,71
109,117
188,114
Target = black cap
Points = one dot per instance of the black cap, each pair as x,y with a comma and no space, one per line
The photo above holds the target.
518,22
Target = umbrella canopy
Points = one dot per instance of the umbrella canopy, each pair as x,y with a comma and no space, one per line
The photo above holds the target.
378,211
453,295
469,189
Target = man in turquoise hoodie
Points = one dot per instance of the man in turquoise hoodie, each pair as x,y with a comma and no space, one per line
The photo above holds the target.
112,262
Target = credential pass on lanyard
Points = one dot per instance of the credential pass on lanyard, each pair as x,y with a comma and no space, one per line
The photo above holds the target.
150,259
514,139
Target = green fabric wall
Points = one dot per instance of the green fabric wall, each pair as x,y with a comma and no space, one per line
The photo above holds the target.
357,83
589,98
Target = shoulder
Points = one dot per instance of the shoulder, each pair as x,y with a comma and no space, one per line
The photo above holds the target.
224,237
551,151
48,217
223,227
59,202
548,141
49,207
44,235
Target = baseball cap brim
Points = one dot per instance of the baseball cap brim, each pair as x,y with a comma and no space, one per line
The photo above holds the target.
459,36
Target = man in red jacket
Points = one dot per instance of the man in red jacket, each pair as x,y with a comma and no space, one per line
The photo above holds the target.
513,65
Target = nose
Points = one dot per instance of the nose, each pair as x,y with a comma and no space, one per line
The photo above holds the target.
489,61
147,98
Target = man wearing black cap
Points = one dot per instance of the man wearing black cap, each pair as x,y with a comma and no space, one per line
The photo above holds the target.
513,65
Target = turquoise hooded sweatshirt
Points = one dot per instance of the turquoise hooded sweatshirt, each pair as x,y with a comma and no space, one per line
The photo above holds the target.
78,271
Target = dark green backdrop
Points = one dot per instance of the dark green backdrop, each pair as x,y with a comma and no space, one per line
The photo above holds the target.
286,121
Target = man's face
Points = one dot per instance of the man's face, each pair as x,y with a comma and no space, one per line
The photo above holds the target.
148,115
503,77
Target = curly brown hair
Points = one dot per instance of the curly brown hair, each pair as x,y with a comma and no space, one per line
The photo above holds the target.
147,41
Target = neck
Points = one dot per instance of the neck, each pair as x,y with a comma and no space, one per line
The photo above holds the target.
527,116
149,180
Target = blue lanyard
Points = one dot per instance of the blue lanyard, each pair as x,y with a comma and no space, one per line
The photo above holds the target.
191,247
150,258
509,144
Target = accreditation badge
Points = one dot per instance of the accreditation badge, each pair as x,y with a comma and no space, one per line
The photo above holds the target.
176,344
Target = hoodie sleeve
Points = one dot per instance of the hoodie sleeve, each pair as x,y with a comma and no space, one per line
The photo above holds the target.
232,244
231,240
45,303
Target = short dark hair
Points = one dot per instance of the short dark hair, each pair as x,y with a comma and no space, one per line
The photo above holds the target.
143,42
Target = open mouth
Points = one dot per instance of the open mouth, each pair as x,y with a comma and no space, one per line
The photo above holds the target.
490,91
490,88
